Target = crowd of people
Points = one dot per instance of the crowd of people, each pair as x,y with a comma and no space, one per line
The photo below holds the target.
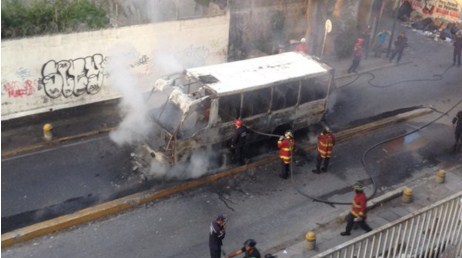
379,46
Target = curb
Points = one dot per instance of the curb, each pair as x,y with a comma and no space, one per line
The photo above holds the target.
371,204
43,145
132,201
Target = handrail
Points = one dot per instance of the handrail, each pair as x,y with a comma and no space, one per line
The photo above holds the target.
422,233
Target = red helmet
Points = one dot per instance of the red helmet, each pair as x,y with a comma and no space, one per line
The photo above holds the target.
238,122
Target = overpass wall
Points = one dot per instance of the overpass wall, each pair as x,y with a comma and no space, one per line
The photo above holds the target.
52,72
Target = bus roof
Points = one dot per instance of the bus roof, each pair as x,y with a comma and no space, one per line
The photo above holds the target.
250,74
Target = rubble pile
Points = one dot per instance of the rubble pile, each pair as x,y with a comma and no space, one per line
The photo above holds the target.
436,28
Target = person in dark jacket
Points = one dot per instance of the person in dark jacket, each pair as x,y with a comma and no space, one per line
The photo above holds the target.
238,141
457,50
457,121
217,233
249,250
400,45
358,211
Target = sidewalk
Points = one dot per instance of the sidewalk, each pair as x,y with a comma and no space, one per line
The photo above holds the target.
425,192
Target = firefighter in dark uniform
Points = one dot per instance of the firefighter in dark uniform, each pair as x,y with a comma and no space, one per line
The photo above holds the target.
358,211
457,121
249,250
217,233
286,146
326,142
238,141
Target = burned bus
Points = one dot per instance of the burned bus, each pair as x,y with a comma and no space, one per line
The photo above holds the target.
287,90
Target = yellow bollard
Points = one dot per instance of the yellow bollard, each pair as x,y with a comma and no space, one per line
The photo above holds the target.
47,134
407,195
440,176
310,240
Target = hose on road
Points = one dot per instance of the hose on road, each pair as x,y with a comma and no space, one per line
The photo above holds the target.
437,77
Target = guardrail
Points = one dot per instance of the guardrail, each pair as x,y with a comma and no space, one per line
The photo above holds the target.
434,231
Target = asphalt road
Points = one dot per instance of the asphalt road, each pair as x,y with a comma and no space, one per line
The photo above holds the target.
259,204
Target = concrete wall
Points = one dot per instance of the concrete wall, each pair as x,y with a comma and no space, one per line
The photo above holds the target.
52,72
251,24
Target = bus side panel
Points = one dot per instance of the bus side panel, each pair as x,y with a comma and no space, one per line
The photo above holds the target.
309,113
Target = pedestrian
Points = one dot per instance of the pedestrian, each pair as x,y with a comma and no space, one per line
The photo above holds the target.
326,142
358,211
366,36
400,45
249,250
286,146
301,47
457,49
217,233
380,40
238,141
357,55
457,121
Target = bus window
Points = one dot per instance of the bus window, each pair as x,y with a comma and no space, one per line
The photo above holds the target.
314,89
285,96
228,107
197,119
256,102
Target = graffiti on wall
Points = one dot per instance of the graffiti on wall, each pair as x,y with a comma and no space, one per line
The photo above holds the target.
195,56
18,89
73,77
448,9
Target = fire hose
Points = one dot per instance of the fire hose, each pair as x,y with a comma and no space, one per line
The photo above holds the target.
363,159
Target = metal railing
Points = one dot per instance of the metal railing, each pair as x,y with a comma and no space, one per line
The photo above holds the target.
434,231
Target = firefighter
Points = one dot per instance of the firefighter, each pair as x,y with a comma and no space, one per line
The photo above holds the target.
249,250
217,233
286,146
238,141
358,211
326,141
457,122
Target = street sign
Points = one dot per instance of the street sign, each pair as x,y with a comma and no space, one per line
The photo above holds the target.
328,26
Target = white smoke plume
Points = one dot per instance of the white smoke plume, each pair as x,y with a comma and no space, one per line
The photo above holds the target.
135,125
332,98
137,107
197,166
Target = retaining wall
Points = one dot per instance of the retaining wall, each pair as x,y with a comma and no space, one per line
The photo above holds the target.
46,73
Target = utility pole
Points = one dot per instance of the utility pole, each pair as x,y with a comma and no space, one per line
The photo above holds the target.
393,27
309,26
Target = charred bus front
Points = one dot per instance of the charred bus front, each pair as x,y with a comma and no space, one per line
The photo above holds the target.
267,93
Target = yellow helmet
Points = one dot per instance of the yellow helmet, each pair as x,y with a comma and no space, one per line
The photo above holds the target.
47,127
289,134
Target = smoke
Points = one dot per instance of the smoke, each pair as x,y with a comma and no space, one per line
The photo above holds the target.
135,125
137,110
165,63
332,99
312,137
197,166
